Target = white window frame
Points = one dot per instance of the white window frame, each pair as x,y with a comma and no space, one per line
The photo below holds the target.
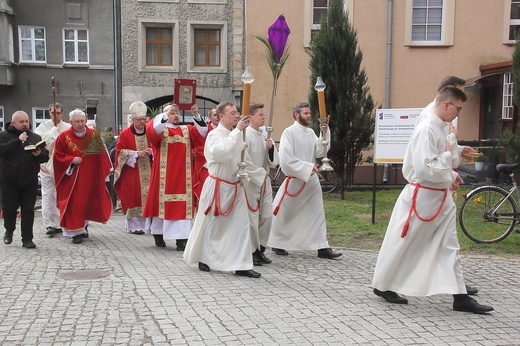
207,2
10,42
76,42
172,1
447,29
316,26
508,105
2,118
33,41
39,111
222,26
508,22
308,19
146,23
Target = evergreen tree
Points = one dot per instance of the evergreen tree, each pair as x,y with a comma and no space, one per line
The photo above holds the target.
336,58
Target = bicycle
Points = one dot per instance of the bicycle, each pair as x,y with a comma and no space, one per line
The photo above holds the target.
328,180
489,213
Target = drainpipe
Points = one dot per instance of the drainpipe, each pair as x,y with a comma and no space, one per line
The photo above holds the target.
388,70
387,101
117,66
388,54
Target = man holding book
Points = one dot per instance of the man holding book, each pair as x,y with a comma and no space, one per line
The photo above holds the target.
19,176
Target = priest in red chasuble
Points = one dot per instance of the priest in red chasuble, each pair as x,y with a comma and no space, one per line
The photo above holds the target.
81,167
132,169
169,207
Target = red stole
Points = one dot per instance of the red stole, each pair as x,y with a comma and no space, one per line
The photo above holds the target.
131,184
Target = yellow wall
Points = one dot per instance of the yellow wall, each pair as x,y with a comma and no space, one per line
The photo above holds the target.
293,84
415,71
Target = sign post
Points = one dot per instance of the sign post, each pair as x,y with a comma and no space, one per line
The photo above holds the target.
394,127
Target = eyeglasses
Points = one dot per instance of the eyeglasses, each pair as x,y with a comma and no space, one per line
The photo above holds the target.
140,119
234,113
453,104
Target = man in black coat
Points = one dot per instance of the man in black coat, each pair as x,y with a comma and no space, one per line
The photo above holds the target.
19,167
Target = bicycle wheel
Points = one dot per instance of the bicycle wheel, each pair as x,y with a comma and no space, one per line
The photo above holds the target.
328,181
487,215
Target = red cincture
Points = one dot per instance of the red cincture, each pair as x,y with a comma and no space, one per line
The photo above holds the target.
414,210
216,198
286,192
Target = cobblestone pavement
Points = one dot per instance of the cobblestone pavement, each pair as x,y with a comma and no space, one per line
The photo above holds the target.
56,295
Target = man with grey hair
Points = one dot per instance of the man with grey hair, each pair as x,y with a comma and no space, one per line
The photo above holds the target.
49,131
81,167
19,167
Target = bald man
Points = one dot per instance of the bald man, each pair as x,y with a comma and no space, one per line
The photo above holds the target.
19,176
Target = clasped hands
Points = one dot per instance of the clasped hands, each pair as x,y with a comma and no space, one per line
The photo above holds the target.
145,152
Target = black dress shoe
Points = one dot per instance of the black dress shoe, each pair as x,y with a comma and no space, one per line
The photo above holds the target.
138,232
159,241
50,232
471,305
390,296
181,244
204,267
77,239
249,273
257,261
471,290
263,258
280,252
328,253
8,237
29,244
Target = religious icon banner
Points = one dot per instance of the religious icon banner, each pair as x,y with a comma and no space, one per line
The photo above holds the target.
184,93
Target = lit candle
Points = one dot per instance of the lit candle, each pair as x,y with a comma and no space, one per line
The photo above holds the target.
320,88
247,78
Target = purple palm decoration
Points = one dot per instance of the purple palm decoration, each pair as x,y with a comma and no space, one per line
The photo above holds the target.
277,37
277,54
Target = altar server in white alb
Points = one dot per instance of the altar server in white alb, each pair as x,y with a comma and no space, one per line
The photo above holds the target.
49,131
261,155
221,238
299,217
420,253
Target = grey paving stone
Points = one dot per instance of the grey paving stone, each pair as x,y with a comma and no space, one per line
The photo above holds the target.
151,297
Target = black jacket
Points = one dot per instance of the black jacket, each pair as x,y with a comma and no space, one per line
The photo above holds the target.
16,164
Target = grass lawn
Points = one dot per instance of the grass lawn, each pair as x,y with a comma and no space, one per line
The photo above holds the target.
349,223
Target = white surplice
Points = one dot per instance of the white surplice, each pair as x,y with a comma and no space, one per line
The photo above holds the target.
300,220
426,261
223,242
49,133
257,162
